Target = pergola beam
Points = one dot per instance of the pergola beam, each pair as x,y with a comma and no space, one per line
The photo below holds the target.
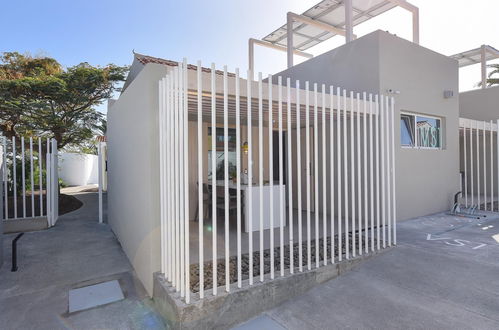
415,17
251,51
292,17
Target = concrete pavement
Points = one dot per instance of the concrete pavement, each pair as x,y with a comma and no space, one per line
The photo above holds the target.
444,274
76,252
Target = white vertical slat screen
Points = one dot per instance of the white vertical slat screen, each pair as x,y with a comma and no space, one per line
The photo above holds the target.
335,159
479,164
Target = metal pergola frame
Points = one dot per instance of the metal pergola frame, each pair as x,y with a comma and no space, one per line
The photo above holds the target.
353,17
480,55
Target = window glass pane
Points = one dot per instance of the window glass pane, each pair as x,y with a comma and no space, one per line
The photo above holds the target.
428,132
407,130
220,152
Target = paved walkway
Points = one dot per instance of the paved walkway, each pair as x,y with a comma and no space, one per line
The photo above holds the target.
444,274
76,252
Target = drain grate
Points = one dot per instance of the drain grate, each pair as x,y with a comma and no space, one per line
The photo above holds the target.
94,295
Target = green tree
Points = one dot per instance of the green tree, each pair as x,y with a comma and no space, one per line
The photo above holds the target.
491,80
39,97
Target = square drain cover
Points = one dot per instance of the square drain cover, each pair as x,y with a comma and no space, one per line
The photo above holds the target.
94,295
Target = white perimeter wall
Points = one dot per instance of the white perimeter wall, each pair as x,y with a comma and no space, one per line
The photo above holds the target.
78,169
133,172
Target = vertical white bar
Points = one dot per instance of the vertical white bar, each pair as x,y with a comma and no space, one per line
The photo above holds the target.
465,147
299,187
186,185
281,178
359,177
352,174
365,186
478,178
260,168
226,179
181,178
497,157
394,186
40,174
484,168
32,181
250,174
316,177
383,169
164,177
171,180
48,183
199,78
161,175
214,178
378,169
271,176
324,177
290,177
491,132
338,172
472,170
99,163
371,168
176,126
14,174
307,170
388,170
5,178
331,168
345,175
23,173
238,178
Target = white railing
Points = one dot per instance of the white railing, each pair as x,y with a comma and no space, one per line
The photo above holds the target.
335,190
479,144
27,192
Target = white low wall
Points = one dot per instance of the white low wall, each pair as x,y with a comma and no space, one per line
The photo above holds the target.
78,169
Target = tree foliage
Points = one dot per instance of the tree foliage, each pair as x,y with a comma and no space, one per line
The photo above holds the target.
39,97
491,80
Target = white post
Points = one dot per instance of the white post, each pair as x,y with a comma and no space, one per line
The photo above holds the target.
307,170
345,174
331,161
298,172
14,170
491,132
497,156
260,168
290,46
465,147
371,168
214,179
281,178
366,187
199,79
472,170
359,178
271,175
250,174
290,178
23,174
348,20
324,177
32,177
99,163
226,179
388,170
251,57
478,164
483,65
316,177
352,174
378,188
383,169
5,178
238,179
394,185
338,172
484,168
186,186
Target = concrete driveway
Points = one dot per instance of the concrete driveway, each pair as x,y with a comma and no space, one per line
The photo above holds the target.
444,274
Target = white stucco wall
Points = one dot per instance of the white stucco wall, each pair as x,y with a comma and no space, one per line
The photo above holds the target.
78,169
133,172
480,104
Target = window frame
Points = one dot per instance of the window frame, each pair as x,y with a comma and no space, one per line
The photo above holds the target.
416,133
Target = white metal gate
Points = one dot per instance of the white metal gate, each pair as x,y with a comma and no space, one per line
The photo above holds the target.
30,179
479,144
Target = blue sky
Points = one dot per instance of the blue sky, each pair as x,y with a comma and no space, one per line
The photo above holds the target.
106,31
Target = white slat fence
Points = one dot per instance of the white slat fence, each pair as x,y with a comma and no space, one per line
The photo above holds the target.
332,162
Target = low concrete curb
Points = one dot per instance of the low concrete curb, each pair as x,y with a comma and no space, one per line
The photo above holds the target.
24,225
228,309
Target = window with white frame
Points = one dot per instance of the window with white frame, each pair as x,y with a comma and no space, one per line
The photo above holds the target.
420,131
